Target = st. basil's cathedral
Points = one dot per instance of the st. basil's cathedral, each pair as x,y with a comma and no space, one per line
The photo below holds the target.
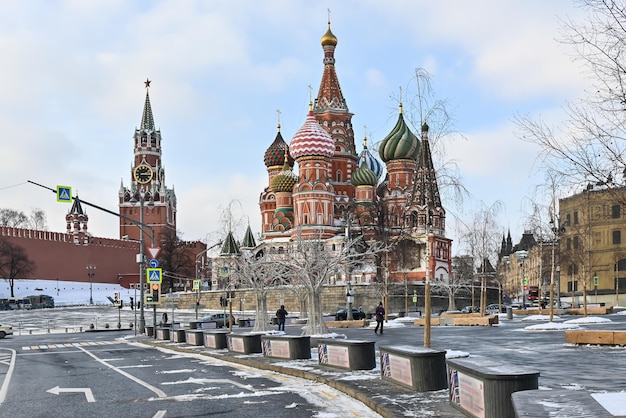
337,189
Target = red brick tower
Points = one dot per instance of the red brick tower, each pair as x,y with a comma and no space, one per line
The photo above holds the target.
147,184
314,195
331,111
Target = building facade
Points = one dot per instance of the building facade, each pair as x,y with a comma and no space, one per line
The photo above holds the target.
592,249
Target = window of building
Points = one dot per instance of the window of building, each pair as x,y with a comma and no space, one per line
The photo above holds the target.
616,211
576,218
576,242
567,219
572,284
568,243
617,237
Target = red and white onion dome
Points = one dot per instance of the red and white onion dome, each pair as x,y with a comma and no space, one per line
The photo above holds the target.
311,140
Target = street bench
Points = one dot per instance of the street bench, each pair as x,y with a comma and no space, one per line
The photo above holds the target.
348,324
194,336
215,338
291,347
245,343
595,337
177,335
595,310
483,387
557,403
346,354
418,368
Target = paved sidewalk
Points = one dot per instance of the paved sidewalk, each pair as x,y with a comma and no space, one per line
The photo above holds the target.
385,398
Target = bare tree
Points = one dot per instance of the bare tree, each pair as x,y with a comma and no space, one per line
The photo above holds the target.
423,106
176,258
481,236
590,145
14,263
461,277
18,219
261,275
312,261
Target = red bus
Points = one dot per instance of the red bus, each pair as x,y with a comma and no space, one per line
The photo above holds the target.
533,292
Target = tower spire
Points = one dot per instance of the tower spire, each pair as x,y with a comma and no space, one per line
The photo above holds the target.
147,120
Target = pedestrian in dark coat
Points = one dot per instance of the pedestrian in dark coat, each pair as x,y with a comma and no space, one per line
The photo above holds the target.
380,317
281,314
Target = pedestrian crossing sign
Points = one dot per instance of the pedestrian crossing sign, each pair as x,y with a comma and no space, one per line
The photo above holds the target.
64,194
154,275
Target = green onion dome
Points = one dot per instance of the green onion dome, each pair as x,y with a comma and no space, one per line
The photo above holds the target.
400,143
364,176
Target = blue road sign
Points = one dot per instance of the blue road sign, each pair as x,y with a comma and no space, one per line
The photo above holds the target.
154,275
154,263
64,194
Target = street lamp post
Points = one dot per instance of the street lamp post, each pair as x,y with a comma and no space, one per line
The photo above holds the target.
427,293
91,271
141,259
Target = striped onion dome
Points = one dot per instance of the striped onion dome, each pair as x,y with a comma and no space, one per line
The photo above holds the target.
363,176
400,143
284,180
275,154
366,158
311,140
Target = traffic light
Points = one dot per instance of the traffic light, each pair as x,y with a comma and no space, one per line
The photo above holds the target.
156,291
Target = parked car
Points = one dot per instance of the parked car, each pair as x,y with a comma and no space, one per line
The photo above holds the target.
5,330
221,319
342,314
468,309
494,309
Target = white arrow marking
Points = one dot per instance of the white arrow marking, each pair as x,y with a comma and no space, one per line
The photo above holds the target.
86,391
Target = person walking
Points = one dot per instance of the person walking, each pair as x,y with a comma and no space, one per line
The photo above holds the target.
281,314
380,317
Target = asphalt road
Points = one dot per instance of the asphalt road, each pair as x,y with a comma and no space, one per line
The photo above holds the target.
102,375
192,384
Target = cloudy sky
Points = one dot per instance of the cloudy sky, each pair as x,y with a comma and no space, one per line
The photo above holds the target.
72,93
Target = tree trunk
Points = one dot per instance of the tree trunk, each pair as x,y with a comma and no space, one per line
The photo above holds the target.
315,323
261,322
451,303
11,285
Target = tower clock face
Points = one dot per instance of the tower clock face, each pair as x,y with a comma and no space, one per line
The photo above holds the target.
143,173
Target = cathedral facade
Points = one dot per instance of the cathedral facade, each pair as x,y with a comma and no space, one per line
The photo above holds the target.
336,192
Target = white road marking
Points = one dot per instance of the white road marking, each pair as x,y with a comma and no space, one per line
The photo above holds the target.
148,386
88,394
7,378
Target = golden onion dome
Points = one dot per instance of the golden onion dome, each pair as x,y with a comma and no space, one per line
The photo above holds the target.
328,38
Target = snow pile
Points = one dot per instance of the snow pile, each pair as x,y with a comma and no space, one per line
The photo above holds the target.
589,320
551,326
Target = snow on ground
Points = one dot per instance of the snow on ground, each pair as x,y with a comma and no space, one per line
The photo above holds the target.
530,318
559,326
551,326
589,320
612,402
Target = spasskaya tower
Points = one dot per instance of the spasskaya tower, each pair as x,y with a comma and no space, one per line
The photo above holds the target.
147,190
